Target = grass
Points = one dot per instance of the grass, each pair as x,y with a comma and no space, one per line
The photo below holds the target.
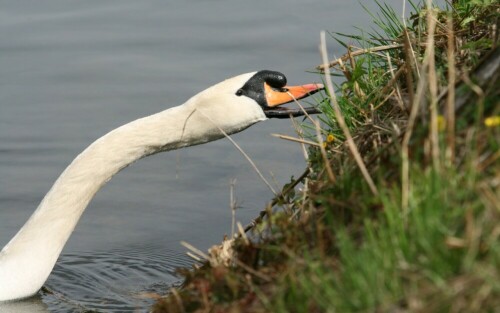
423,119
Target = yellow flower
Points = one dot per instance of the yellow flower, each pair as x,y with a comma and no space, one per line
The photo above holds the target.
330,138
492,121
441,123
324,144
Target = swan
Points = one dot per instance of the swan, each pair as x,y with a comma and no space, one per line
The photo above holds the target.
225,108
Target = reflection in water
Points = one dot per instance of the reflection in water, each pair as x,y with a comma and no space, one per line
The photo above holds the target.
114,281
31,305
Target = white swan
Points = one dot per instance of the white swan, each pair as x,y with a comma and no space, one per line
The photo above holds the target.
230,106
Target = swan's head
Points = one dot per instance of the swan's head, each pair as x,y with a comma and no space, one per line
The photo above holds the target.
241,101
269,90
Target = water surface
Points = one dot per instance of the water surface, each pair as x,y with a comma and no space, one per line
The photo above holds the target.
73,70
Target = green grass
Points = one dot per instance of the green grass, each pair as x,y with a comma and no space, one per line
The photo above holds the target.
398,261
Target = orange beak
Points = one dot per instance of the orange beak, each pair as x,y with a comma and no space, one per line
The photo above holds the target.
288,94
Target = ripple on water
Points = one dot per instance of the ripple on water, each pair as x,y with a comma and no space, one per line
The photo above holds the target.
112,281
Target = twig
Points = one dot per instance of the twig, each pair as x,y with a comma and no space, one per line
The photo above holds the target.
232,204
251,270
178,154
383,101
394,80
328,167
473,86
357,89
450,101
405,167
194,257
301,107
431,24
290,138
299,132
178,299
303,141
263,213
242,152
346,57
340,118
243,234
409,58
196,251
407,42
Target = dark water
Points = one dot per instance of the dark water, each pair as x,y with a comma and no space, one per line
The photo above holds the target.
70,71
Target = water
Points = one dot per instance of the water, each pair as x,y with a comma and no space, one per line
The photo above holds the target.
73,70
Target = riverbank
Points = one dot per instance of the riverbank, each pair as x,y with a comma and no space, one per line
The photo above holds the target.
399,205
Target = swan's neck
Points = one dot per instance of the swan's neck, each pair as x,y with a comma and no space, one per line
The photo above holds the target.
27,260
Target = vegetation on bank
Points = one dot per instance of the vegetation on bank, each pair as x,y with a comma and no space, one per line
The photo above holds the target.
405,219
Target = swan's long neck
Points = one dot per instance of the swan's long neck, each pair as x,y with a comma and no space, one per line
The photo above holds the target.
27,260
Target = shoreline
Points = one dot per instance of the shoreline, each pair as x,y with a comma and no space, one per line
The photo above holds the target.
416,230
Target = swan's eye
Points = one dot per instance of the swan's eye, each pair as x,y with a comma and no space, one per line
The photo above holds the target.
279,89
239,92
